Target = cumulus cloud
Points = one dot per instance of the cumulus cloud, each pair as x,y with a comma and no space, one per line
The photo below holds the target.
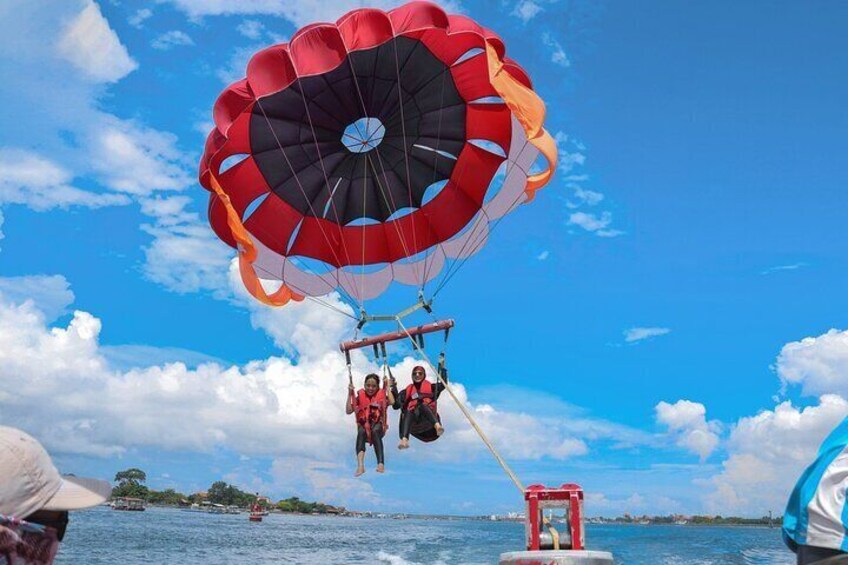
571,157
252,29
526,10
598,224
768,452
818,364
171,39
558,54
687,422
236,67
52,294
298,13
100,409
570,152
127,158
35,181
139,17
92,46
136,159
585,197
184,254
633,335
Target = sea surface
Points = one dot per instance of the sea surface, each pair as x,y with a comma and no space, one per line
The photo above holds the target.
161,535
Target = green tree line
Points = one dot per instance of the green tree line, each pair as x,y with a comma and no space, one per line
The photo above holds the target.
130,483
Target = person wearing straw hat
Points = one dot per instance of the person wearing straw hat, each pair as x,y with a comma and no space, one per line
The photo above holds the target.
35,499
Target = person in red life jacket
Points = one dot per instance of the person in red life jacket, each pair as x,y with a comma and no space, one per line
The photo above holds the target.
370,404
417,402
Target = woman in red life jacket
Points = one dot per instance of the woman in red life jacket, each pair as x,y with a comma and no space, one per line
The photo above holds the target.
370,404
419,415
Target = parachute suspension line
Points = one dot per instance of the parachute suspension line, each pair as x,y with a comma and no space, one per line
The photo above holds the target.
474,227
464,410
435,171
247,254
303,191
453,269
364,202
405,152
314,299
393,207
326,178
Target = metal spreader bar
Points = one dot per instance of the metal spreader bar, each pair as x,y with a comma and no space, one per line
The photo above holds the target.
439,326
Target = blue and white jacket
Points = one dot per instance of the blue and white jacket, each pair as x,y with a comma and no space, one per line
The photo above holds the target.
816,513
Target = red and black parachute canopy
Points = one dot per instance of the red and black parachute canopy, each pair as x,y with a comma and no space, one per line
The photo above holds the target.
372,150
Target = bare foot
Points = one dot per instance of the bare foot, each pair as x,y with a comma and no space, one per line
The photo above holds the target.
404,444
359,471
381,468
439,430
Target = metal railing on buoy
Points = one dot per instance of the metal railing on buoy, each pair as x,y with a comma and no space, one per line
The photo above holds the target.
545,543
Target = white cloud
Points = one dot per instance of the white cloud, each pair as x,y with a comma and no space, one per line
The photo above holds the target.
171,39
138,18
570,152
687,422
184,255
767,454
633,335
558,54
138,160
30,179
92,46
204,127
636,504
778,268
97,408
124,156
586,197
298,13
598,224
818,364
526,10
252,29
590,222
543,255
236,67
52,294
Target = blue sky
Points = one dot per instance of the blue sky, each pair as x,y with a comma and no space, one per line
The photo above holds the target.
664,324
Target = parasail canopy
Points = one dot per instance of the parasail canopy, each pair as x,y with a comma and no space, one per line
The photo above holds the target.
380,148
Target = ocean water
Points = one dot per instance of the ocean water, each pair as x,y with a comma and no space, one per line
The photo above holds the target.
101,535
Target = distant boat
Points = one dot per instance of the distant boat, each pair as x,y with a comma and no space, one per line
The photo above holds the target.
681,522
128,504
643,522
256,513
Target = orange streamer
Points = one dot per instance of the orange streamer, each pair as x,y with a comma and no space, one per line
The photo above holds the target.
529,110
247,255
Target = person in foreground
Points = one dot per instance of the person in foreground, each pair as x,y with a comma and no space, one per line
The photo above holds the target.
370,404
419,413
35,500
816,518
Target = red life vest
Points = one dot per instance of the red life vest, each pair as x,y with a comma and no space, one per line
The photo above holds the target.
424,393
371,410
